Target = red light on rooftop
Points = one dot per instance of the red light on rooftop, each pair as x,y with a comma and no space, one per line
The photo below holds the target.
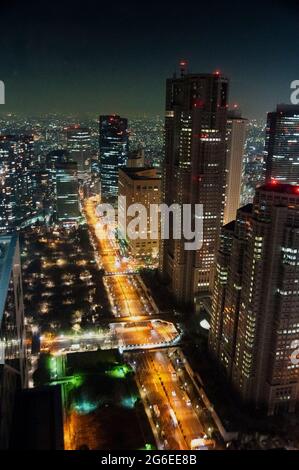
183,64
217,72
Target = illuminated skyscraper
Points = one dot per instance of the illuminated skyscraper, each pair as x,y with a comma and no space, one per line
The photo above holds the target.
193,171
282,144
236,135
61,193
47,183
79,147
13,369
67,197
16,181
114,145
255,308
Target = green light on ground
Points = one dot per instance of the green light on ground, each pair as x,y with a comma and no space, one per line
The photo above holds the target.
116,373
148,447
128,402
119,372
84,407
76,380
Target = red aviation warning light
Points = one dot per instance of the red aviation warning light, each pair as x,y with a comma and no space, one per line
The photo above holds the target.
183,66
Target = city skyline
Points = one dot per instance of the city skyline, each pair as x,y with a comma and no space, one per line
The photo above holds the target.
149,266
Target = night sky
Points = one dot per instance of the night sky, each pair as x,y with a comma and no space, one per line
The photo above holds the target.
114,56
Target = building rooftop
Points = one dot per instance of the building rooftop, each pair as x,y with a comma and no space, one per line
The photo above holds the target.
142,173
275,186
136,154
247,208
287,108
192,76
230,226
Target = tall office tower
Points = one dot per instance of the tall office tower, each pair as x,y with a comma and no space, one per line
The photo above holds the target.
16,181
13,371
79,148
282,144
193,171
236,135
48,189
114,144
141,186
42,191
255,313
66,192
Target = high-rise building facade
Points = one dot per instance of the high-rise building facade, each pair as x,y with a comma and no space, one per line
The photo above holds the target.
141,186
282,144
255,309
61,193
113,143
42,191
79,147
47,186
16,181
193,172
67,193
13,370
236,136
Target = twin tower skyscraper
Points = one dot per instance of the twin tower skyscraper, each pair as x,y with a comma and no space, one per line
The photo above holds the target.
194,171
